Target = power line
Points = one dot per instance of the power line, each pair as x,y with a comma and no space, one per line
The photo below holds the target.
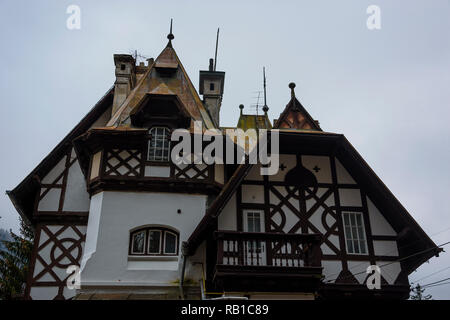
387,253
431,274
428,284
439,284
401,259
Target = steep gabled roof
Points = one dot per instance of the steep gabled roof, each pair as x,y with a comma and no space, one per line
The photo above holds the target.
414,240
153,83
23,195
295,116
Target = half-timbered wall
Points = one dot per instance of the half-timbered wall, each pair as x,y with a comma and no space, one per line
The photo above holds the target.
56,248
318,209
63,189
130,164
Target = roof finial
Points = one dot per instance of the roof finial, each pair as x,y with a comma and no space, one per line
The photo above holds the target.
292,86
241,106
170,36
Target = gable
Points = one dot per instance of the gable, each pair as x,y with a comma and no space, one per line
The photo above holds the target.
295,116
23,196
359,190
165,77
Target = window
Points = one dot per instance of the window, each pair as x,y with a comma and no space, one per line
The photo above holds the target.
154,241
253,223
211,86
159,144
138,241
355,235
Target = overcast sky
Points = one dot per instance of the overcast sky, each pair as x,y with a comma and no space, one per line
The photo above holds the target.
387,90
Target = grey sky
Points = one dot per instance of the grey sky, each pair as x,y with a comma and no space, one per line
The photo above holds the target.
387,90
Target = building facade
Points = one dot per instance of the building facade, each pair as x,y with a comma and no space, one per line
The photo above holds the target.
109,200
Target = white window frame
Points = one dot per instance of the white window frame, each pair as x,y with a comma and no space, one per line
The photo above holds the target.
154,136
359,239
261,219
132,242
160,241
176,243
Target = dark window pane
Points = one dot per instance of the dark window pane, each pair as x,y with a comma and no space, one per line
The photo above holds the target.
170,243
138,242
154,241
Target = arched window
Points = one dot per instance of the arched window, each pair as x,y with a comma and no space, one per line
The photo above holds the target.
159,144
154,241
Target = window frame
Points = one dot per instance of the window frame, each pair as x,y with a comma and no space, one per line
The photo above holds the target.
167,133
132,242
358,239
162,242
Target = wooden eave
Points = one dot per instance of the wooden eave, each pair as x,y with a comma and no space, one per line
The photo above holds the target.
23,195
95,138
413,239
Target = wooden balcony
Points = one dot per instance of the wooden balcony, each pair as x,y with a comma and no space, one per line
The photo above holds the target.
249,261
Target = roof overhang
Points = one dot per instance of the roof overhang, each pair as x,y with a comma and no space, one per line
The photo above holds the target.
412,239
23,195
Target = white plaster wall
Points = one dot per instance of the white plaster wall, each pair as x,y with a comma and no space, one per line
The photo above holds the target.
157,171
342,175
55,172
227,219
253,194
378,223
323,163
385,248
50,202
120,212
76,197
219,174
92,232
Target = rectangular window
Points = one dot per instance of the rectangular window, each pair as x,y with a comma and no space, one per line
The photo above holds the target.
170,243
254,224
154,241
138,242
355,236
159,144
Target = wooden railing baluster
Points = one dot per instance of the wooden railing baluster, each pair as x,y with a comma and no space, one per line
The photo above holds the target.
268,249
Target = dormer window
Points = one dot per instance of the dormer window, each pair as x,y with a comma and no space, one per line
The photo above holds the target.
154,241
159,144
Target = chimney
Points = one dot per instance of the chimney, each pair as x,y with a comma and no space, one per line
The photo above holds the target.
125,79
211,87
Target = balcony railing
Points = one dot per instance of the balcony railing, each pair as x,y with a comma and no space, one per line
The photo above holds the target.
250,249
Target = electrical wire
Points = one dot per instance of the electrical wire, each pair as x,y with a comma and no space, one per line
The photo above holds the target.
432,274
401,259
397,249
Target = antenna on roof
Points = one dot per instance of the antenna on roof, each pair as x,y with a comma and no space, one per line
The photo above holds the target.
265,107
256,105
264,77
215,55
